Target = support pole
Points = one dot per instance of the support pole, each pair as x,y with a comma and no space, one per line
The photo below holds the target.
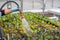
1,34
33,1
21,5
52,3
43,7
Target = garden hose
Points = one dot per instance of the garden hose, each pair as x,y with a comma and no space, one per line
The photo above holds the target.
7,11
9,2
21,14
3,12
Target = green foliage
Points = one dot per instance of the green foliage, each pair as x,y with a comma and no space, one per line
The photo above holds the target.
37,22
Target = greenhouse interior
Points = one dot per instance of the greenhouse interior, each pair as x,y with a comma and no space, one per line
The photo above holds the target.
29,19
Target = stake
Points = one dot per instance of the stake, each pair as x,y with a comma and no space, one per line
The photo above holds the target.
8,36
12,36
1,34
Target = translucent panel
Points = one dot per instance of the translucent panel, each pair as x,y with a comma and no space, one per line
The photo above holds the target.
27,4
38,4
34,4
48,4
56,3
2,2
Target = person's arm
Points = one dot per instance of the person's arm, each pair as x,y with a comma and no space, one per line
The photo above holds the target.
7,11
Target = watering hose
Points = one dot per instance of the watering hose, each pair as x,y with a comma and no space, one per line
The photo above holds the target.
21,14
7,11
3,12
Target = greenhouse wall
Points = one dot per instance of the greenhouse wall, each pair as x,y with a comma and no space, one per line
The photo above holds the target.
35,4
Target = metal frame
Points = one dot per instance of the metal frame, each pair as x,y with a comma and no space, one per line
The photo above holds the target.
44,6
